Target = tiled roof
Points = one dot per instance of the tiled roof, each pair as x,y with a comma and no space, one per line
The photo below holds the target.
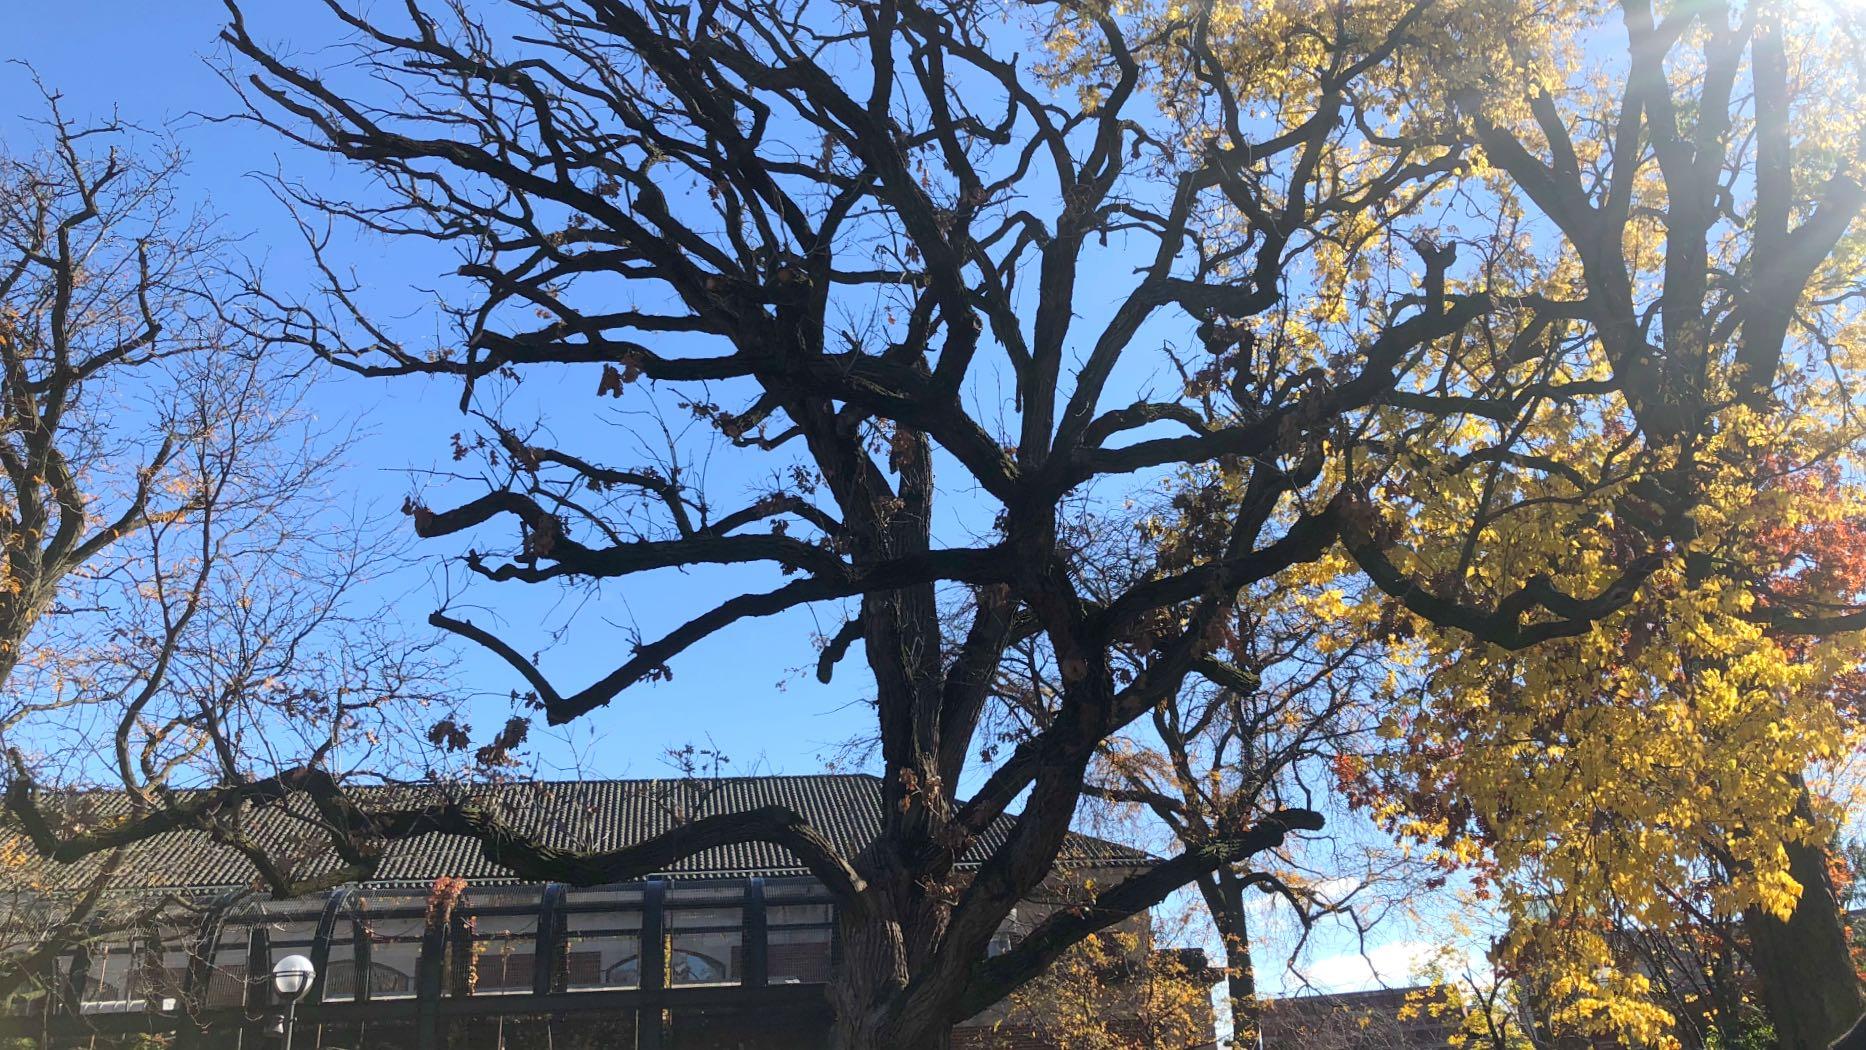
582,815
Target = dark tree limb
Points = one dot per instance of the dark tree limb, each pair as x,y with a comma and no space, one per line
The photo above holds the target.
994,978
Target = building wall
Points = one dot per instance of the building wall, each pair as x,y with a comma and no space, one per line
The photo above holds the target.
458,971
1012,1037
1352,1021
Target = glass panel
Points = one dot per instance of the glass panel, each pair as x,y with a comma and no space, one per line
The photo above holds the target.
107,980
226,976
705,944
800,924
602,945
605,898
275,914
523,897
799,915
786,889
704,958
293,934
692,896
291,938
504,953
385,982
128,976
162,973
394,956
340,963
797,956
385,901
603,950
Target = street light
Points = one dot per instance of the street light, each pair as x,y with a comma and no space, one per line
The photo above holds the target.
291,979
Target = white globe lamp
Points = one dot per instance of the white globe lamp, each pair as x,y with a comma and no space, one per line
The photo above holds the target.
291,979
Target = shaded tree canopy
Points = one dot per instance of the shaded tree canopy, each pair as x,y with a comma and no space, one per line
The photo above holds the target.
1366,285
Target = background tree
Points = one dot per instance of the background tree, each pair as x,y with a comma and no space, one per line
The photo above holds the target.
1697,972
176,587
864,242
1690,231
1117,990
1277,710
1719,971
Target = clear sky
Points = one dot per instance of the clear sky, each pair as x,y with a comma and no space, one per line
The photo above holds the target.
153,64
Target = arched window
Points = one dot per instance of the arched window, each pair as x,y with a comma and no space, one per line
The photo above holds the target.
683,967
384,980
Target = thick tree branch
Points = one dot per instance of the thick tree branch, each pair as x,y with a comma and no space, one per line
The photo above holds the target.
995,978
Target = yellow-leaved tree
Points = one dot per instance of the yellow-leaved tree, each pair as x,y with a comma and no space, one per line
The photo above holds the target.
1658,416
1700,203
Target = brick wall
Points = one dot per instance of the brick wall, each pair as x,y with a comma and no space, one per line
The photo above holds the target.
1010,1037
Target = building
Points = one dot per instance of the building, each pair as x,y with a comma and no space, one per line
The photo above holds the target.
727,950
1368,1020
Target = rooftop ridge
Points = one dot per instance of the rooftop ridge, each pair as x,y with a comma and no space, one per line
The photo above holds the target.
101,789
657,780
593,814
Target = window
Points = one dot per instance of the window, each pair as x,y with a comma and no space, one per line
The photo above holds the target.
161,969
394,955
106,978
340,963
1008,935
687,966
132,976
289,934
504,951
705,935
800,924
503,971
798,956
602,941
226,971
385,982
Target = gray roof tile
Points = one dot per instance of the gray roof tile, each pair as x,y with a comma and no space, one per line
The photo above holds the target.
587,815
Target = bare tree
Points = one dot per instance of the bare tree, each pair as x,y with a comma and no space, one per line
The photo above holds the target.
854,296
179,596
1277,713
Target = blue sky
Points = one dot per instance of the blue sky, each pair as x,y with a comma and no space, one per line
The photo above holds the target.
154,65
158,66
151,65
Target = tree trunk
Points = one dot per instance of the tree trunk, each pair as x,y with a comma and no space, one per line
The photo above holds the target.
1808,982
858,1037
864,989
1224,896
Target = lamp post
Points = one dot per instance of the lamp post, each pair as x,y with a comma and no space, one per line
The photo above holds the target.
291,979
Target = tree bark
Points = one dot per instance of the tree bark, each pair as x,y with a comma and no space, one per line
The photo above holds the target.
1224,896
877,962
1804,966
